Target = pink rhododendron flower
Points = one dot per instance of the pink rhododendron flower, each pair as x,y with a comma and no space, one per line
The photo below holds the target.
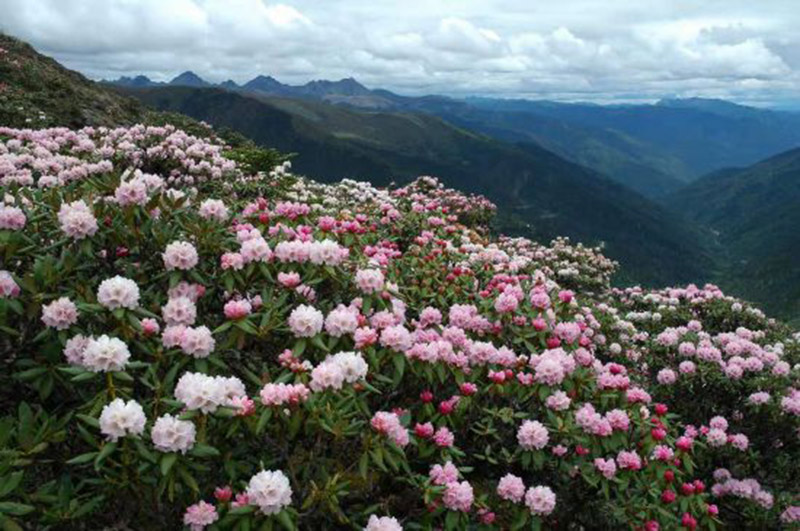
389,424
200,515
540,500
458,496
180,255
443,437
237,309
60,314
511,488
532,435
607,467
443,474
8,286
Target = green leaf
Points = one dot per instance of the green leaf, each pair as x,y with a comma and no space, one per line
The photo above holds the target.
91,421
83,458
83,376
122,376
30,374
16,509
221,328
11,483
520,520
187,477
319,343
363,465
399,368
104,452
451,520
299,348
246,509
167,461
204,450
7,524
262,421
188,415
25,428
286,520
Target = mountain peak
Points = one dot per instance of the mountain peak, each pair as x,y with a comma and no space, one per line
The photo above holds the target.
264,84
189,79
346,87
137,81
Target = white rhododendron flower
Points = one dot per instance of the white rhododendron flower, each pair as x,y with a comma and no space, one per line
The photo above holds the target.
121,418
270,491
180,255
383,523
105,354
306,321
118,292
77,220
170,434
213,209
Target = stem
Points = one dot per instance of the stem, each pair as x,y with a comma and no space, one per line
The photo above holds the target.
110,381
201,433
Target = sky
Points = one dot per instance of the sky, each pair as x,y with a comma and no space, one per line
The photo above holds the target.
588,50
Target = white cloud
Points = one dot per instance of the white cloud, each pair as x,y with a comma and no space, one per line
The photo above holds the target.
586,49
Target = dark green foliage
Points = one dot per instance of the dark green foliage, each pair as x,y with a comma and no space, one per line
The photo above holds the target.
755,213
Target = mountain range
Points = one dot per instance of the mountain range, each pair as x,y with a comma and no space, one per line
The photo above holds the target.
654,149
678,191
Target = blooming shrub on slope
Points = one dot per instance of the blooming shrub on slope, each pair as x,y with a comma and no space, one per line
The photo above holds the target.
186,344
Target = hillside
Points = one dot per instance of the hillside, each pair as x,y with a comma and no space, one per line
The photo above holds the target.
36,91
621,157
540,193
754,211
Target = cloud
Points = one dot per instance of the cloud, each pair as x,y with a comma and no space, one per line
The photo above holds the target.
573,49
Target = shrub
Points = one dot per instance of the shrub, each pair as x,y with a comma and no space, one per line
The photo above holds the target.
188,343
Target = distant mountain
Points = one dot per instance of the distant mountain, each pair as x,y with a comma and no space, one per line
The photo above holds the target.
714,106
37,92
652,149
695,136
265,84
343,87
138,81
755,212
230,85
540,194
621,157
189,79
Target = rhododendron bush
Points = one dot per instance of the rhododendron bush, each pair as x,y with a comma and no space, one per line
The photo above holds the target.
187,344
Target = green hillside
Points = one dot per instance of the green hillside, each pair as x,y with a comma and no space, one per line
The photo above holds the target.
755,212
36,91
623,158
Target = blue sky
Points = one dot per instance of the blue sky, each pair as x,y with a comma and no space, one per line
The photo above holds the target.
594,50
